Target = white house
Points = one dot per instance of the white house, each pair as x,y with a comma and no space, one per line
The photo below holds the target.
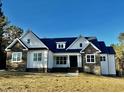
86,54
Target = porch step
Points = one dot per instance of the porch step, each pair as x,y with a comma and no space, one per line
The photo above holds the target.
73,69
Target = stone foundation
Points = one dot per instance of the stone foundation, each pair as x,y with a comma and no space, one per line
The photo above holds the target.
16,66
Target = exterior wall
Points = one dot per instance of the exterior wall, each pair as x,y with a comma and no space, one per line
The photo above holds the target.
34,41
108,66
50,60
91,67
76,45
32,64
111,60
104,65
16,66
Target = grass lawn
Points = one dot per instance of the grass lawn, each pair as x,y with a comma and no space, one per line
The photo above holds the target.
35,82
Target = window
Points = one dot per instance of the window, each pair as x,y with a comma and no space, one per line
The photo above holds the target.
37,57
61,60
102,58
90,58
60,45
81,45
16,56
28,41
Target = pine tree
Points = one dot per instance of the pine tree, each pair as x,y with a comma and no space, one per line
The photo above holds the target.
3,22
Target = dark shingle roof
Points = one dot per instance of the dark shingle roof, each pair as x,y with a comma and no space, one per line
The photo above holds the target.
51,44
110,50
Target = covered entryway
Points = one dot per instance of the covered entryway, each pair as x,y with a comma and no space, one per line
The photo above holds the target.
73,61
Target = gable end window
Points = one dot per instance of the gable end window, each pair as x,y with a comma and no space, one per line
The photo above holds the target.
81,45
28,41
90,58
102,58
16,56
37,57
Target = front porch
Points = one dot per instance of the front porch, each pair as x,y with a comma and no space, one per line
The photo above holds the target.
73,62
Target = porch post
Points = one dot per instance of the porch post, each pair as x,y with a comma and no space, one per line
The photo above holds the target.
79,61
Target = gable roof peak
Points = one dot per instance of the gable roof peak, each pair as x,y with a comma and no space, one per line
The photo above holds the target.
29,30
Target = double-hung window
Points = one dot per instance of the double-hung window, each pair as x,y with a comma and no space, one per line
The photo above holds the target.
37,57
102,58
90,58
61,60
16,56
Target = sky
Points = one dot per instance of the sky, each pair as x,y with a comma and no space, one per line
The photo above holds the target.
66,18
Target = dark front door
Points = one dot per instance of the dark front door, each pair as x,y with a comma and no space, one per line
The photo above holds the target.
73,61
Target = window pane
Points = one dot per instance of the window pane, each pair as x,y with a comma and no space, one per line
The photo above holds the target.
18,57
92,60
104,59
14,56
80,44
57,58
64,62
88,56
61,46
88,60
61,58
100,58
39,56
61,62
92,56
64,58
57,61
35,57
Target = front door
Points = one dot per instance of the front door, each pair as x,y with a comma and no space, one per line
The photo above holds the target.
73,61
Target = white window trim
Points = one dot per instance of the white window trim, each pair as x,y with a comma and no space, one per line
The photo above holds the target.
60,43
37,57
60,64
90,59
16,58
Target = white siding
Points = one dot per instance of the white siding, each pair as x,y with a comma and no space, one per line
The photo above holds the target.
112,69
50,59
108,66
76,45
104,65
35,64
34,41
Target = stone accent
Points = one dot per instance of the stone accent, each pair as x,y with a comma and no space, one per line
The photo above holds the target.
91,67
16,66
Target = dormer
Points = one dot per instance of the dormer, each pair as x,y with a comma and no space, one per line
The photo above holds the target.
60,45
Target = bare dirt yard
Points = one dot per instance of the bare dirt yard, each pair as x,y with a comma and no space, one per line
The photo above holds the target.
50,82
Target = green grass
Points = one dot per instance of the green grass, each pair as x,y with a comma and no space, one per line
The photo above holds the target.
45,82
